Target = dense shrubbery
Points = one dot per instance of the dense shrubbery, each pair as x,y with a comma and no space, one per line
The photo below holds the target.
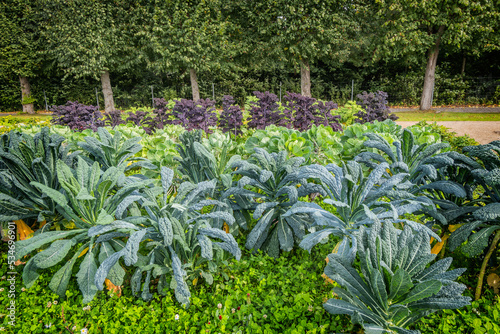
124,222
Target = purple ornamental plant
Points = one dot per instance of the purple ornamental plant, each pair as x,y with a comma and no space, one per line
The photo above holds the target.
375,105
302,109
324,115
200,115
77,116
261,113
308,111
113,118
182,108
231,118
141,118
161,115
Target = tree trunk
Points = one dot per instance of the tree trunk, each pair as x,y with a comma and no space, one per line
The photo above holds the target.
427,93
463,66
26,93
194,85
305,79
487,257
109,102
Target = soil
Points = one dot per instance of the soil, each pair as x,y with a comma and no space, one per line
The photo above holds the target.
482,132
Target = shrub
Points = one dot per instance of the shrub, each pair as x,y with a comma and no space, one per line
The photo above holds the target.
77,116
375,107
231,118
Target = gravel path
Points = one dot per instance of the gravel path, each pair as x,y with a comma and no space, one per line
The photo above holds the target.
483,132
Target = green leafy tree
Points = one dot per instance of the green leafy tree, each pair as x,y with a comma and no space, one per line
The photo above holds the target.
190,36
92,38
415,28
300,33
19,45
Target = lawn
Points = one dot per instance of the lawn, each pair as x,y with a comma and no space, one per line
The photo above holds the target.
433,116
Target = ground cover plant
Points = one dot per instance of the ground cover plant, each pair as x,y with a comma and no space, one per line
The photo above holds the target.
176,238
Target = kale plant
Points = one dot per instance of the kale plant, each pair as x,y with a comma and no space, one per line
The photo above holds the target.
142,119
202,116
231,118
161,115
180,246
358,201
195,115
112,151
375,107
265,112
324,115
77,116
427,170
269,185
113,118
484,221
28,159
89,201
306,111
392,286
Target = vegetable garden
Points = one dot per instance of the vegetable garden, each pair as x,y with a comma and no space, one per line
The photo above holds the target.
204,221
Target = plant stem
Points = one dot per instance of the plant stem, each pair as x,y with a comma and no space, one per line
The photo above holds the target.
485,263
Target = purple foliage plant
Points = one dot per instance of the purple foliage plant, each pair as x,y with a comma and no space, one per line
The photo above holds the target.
195,115
113,118
231,118
77,116
375,108
141,118
261,113
308,111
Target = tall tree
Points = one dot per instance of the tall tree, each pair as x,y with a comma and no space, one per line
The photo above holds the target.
300,33
190,36
91,38
424,27
19,45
